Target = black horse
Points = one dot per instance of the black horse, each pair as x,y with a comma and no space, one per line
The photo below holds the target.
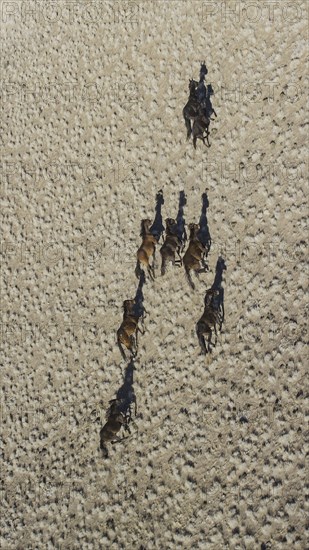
200,128
199,108
191,109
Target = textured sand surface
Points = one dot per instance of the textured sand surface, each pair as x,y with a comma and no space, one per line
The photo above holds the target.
91,128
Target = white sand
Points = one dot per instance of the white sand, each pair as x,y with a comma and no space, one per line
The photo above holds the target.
83,156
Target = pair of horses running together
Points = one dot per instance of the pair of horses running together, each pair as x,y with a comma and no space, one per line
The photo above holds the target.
173,244
199,109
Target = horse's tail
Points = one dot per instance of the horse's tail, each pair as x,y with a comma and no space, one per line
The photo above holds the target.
138,269
188,126
201,338
120,346
163,265
189,278
104,449
194,141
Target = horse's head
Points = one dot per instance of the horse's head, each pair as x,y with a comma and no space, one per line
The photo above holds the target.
170,222
193,227
192,85
210,294
128,305
145,225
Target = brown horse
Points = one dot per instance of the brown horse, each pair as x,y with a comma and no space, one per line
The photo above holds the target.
115,420
118,416
171,245
146,250
127,332
195,254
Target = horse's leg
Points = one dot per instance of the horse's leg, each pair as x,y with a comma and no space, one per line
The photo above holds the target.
188,126
201,339
185,237
207,137
163,265
135,404
119,439
143,319
203,260
134,338
133,345
209,339
128,417
151,272
202,343
178,252
222,316
121,349
216,334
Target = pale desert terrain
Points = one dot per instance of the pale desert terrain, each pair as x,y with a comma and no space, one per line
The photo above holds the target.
91,129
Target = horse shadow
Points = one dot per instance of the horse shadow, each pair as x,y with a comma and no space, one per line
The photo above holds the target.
126,394
180,220
218,299
208,105
157,227
139,308
201,91
203,71
203,233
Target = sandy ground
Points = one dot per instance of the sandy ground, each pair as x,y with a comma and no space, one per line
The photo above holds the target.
91,107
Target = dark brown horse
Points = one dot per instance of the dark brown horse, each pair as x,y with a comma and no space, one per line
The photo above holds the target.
171,245
118,415
200,126
209,321
127,332
190,110
194,257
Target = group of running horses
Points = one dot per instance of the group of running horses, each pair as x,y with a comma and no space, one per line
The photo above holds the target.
198,110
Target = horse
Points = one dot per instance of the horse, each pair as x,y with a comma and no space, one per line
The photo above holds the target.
200,126
146,250
190,110
127,332
118,415
194,255
209,321
180,221
171,245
